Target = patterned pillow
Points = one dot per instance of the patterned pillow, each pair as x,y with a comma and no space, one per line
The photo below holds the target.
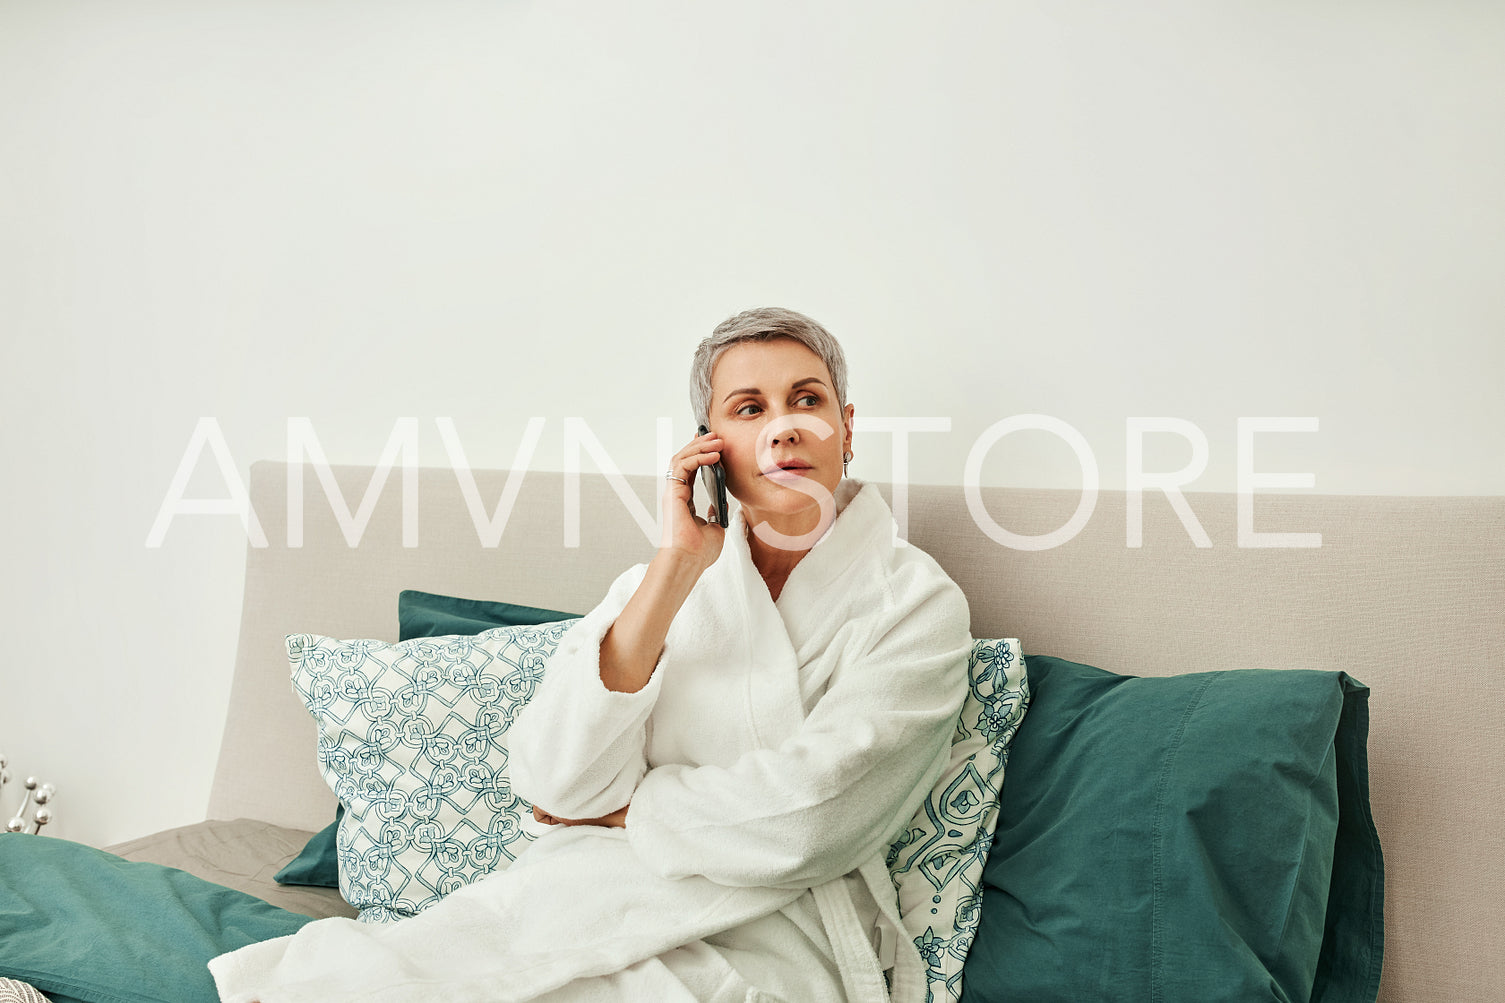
937,862
413,740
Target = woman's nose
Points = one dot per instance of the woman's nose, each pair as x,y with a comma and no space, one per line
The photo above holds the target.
788,437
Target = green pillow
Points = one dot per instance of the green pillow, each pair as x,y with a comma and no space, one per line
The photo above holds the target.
424,614
1199,837
419,614
318,864
81,924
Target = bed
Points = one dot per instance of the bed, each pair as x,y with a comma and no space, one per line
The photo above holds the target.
1387,642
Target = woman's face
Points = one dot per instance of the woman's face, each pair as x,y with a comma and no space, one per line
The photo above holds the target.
772,402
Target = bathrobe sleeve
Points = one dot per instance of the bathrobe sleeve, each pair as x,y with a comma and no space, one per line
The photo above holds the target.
576,750
837,791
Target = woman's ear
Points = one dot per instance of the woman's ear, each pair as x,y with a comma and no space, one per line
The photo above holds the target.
846,421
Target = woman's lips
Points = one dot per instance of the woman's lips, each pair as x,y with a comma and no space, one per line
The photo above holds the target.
786,471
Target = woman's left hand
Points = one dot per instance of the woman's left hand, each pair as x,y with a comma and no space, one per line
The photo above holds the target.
615,820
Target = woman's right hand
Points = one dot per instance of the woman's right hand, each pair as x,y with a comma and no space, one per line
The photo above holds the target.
687,536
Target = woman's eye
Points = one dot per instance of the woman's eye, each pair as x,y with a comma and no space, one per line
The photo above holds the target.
814,400
744,409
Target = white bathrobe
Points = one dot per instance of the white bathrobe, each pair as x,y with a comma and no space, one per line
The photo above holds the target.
772,758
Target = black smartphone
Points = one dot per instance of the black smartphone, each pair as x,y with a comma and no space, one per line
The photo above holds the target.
713,475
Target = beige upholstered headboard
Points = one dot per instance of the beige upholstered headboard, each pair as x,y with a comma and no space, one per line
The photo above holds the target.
1406,594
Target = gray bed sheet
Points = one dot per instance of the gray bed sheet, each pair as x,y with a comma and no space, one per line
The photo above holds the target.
242,854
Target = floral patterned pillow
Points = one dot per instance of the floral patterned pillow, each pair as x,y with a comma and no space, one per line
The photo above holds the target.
413,740
937,861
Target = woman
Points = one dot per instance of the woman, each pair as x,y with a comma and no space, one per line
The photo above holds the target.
724,748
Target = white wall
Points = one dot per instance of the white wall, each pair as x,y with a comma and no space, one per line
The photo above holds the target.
493,211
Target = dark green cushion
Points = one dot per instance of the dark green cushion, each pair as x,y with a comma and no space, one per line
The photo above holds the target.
424,614
419,614
1199,838
82,924
318,864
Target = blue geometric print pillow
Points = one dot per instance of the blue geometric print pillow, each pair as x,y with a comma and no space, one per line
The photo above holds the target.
413,740
937,862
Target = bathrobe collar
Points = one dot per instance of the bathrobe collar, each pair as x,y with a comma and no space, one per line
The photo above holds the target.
858,507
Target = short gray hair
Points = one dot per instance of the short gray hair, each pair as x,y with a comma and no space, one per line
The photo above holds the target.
763,324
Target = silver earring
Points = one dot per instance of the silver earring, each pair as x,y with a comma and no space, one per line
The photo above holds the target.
845,459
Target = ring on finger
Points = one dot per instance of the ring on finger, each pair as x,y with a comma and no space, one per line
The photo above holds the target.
670,475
